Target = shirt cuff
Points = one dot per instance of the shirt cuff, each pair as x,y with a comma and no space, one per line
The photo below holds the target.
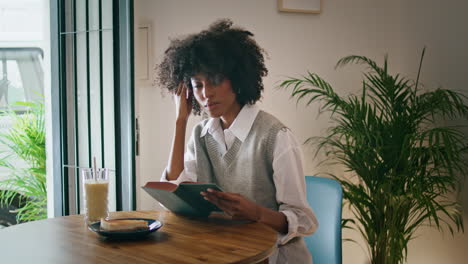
292,228
164,176
182,177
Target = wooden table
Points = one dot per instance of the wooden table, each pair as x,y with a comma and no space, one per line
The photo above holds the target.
180,240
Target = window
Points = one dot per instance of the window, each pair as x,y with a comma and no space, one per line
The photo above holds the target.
92,111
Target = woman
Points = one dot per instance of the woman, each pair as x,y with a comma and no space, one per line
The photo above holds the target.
251,155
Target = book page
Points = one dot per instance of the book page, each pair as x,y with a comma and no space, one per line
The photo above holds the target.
161,185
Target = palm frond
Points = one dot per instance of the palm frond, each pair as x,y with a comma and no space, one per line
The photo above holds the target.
25,141
403,159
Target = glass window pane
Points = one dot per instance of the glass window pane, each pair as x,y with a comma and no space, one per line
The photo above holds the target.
93,14
15,87
21,77
109,114
106,14
82,100
69,15
70,70
80,14
95,96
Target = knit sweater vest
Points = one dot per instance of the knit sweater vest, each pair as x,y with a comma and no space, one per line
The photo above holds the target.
247,167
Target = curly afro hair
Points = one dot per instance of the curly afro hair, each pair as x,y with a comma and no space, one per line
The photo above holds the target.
220,52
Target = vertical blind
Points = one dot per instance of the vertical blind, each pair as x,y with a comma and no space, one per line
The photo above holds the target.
89,122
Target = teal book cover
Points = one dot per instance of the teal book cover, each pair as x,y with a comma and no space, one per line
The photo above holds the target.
184,199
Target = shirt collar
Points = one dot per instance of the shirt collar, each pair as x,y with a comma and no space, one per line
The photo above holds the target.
211,126
240,127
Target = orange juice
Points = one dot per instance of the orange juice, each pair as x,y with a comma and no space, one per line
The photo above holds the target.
96,200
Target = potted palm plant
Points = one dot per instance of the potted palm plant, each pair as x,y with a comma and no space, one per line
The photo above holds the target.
404,163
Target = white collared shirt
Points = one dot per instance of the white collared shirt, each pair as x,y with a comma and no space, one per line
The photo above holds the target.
288,174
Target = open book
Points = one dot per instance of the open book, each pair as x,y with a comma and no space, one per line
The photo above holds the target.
184,199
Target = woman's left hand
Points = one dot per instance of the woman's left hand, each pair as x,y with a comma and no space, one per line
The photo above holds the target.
234,204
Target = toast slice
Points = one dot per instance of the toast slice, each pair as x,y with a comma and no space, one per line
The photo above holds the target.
122,224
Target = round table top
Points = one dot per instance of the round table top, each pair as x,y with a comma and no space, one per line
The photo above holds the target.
180,240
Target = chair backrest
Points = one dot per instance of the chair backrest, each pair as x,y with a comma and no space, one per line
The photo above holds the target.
325,197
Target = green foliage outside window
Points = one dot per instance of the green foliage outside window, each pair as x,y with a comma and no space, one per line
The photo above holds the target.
25,141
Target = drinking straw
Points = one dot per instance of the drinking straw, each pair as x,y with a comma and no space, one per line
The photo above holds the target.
95,168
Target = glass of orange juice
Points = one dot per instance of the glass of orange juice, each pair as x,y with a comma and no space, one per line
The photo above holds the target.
96,190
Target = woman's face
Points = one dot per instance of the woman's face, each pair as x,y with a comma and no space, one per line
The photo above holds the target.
218,99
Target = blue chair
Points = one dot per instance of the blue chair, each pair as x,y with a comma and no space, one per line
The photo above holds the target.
325,197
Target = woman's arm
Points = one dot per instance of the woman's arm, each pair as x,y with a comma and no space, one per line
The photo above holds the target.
274,219
290,185
175,166
241,208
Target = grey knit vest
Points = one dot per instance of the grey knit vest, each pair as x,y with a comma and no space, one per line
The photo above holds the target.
246,167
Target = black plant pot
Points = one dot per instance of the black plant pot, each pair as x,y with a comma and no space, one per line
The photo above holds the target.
7,213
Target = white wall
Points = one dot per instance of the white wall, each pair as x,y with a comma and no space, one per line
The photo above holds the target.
299,42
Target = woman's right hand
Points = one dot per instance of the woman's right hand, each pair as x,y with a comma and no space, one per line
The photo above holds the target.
183,101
